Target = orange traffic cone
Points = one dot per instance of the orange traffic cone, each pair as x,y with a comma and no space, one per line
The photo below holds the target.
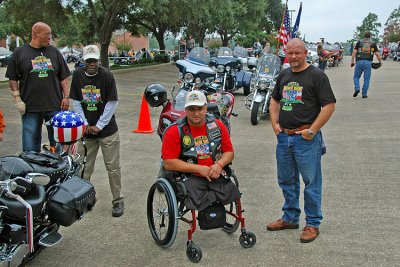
144,125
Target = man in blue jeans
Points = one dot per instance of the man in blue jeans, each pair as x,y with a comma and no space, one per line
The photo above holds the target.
302,102
363,53
37,76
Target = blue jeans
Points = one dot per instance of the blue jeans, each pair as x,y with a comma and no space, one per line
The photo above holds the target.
32,130
362,66
296,156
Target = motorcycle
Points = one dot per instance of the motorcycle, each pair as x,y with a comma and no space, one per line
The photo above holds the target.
39,192
385,53
263,82
195,74
229,71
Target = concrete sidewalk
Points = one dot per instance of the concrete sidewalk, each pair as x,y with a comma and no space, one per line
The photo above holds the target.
360,186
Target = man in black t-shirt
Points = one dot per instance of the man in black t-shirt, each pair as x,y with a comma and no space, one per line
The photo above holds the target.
302,102
37,76
363,53
95,98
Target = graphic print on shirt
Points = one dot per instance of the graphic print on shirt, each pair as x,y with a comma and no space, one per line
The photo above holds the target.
91,96
202,147
292,94
42,65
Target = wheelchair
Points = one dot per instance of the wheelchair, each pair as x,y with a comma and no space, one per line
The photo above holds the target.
165,207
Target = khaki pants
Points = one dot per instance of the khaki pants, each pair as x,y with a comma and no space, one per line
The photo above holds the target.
110,149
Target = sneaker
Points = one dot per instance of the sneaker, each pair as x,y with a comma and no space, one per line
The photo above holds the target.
309,234
118,208
364,96
356,93
281,225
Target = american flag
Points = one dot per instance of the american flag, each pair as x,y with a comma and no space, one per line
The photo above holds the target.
284,32
68,126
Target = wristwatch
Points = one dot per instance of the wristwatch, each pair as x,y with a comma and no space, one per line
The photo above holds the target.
310,133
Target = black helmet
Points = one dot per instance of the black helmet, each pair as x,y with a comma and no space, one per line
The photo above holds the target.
155,95
376,65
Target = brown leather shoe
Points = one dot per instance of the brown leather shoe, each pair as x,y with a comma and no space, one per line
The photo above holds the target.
309,234
281,225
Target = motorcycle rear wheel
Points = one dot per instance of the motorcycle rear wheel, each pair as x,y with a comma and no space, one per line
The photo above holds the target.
255,113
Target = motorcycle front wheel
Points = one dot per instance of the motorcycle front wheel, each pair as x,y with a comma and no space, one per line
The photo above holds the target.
255,113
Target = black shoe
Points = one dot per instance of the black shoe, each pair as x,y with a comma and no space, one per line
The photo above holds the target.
364,96
118,209
356,93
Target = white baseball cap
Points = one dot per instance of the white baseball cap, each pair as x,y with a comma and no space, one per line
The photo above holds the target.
195,98
91,51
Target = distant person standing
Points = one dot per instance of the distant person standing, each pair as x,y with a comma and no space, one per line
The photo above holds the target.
363,54
37,76
190,43
322,57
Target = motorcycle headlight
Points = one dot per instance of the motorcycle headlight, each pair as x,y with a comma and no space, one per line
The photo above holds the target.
263,84
228,68
189,77
220,68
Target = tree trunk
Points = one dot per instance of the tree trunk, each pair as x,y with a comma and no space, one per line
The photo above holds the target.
160,39
104,55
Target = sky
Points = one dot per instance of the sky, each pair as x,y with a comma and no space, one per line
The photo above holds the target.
336,20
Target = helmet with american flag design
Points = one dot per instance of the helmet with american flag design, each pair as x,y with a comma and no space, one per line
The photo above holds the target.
68,127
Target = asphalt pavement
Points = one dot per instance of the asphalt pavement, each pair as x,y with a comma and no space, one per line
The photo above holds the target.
360,185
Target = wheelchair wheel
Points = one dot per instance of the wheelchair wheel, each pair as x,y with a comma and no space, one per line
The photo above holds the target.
162,213
247,239
231,223
193,252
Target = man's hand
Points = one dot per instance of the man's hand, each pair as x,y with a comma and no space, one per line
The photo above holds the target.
65,103
204,171
277,128
20,105
305,134
94,130
215,171
352,64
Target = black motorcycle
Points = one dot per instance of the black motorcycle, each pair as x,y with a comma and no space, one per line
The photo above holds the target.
39,192
229,71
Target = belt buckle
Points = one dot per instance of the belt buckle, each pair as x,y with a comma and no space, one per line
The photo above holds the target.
286,131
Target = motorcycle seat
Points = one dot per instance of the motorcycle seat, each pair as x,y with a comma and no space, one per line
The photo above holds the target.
36,198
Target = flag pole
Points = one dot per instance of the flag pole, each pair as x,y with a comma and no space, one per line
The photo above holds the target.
280,26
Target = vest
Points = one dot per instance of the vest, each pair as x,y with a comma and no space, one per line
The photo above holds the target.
188,150
365,50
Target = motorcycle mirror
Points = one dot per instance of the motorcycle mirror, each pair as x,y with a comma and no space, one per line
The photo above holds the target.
38,178
213,63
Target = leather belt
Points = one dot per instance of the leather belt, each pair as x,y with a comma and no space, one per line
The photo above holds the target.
293,131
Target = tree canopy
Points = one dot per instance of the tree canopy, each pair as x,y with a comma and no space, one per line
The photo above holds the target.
370,23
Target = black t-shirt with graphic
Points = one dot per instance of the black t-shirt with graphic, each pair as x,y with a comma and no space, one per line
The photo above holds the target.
301,96
365,50
39,72
94,92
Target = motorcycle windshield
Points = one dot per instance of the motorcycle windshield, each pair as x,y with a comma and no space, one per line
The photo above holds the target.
240,52
224,52
179,101
269,64
199,55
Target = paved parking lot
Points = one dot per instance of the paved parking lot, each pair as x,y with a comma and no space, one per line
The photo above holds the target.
360,185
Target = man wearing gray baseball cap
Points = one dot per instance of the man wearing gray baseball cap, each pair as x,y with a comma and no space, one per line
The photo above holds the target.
199,146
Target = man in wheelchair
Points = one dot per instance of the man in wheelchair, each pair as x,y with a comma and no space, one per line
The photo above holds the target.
199,145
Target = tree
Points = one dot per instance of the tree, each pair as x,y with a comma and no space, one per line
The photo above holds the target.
272,16
22,14
235,16
154,16
370,23
392,29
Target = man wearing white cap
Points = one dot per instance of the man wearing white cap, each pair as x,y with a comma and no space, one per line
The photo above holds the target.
199,145
95,98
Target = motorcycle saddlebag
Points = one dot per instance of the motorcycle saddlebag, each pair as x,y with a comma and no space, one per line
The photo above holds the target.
214,216
70,201
243,78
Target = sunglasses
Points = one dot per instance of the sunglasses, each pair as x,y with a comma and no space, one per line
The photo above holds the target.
91,60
